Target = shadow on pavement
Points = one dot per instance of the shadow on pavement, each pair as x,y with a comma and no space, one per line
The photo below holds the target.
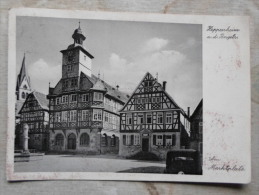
151,169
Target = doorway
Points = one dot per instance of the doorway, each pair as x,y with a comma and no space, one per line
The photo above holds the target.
71,142
145,144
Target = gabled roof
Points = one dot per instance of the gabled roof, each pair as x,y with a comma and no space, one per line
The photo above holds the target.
41,99
197,109
148,74
94,83
22,74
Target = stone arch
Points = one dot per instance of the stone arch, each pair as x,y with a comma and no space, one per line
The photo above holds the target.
84,139
71,141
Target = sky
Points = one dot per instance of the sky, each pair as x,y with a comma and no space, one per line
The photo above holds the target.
123,52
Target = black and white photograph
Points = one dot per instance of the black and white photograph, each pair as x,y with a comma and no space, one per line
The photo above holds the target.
108,96
127,96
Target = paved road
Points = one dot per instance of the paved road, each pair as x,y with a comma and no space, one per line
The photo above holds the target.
82,163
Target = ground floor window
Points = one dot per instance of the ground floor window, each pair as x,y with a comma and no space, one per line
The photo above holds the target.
113,140
164,140
129,140
104,140
136,139
59,140
84,139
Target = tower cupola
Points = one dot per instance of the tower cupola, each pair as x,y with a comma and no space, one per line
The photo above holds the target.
78,36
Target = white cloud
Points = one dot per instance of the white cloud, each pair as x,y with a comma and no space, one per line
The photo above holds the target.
154,44
189,43
42,73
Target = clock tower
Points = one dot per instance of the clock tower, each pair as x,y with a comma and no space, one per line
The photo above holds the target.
75,60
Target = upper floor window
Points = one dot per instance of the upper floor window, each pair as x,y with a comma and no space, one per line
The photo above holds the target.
64,99
64,116
72,115
23,95
168,118
129,119
69,67
98,96
140,118
73,98
149,118
148,83
65,84
57,100
97,115
73,82
57,116
85,98
85,115
159,118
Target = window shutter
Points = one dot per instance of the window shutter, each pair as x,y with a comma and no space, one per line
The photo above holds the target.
164,140
154,140
173,140
132,140
124,140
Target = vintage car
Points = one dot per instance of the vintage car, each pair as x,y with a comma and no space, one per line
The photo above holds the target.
183,161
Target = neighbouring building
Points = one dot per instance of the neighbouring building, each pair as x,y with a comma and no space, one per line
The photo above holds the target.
83,108
34,113
196,128
151,121
23,88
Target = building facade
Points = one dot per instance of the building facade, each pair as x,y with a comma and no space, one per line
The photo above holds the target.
34,113
151,121
83,108
197,128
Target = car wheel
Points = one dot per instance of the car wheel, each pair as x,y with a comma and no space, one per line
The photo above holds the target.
180,173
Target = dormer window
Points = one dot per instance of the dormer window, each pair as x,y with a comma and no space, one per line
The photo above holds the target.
98,96
69,68
24,87
23,95
73,82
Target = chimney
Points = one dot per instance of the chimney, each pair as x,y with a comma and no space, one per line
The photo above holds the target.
164,85
117,86
188,111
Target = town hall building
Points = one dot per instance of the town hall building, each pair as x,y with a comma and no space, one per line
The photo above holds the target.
83,108
152,122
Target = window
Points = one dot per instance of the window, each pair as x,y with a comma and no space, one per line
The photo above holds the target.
57,101
149,118
168,140
85,98
57,116
73,97
160,118
72,116
106,117
159,140
168,118
140,119
104,140
138,101
98,96
129,140
64,116
136,139
148,83
113,140
84,139
65,84
24,87
97,115
59,140
23,95
69,67
157,99
64,99
85,115
129,119
73,82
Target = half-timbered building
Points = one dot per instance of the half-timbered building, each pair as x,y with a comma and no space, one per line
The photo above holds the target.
83,108
151,121
34,113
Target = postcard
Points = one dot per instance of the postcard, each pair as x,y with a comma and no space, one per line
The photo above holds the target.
128,96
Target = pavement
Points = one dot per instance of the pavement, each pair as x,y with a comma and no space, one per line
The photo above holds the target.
89,163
